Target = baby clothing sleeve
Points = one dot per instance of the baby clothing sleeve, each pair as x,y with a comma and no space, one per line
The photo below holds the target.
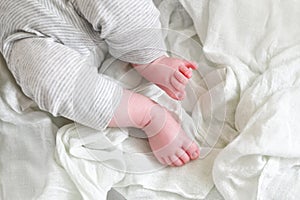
131,28
62,82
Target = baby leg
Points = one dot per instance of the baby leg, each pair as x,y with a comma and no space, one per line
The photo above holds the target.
170,74
169,143
61,81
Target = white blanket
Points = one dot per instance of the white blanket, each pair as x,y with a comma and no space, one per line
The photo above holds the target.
259,42
243,108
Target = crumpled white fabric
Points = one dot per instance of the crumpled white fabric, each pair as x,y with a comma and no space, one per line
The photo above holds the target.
259,42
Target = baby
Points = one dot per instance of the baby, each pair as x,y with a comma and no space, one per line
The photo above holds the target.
54,48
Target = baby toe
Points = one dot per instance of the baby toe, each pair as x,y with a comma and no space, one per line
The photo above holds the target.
163,161
179,88
177,85
185,71
184,157
191,65
180,95
175,161
192,150
181,78
196,154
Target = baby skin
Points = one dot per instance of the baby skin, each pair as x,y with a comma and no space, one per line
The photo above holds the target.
169,143
170,74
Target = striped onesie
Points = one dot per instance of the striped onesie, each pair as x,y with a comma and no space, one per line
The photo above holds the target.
54,47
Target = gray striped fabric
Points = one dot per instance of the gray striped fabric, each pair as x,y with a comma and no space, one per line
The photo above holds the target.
54,47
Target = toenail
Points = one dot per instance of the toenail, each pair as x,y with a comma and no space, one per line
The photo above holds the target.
194,155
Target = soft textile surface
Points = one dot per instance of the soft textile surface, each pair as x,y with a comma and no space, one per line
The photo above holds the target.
242,108
259,42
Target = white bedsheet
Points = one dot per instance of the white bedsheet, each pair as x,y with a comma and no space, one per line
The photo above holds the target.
259,42
243,108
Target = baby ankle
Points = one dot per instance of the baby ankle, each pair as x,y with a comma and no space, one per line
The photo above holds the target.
158,117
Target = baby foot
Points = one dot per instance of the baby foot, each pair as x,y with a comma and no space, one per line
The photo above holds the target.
169,143
170,74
